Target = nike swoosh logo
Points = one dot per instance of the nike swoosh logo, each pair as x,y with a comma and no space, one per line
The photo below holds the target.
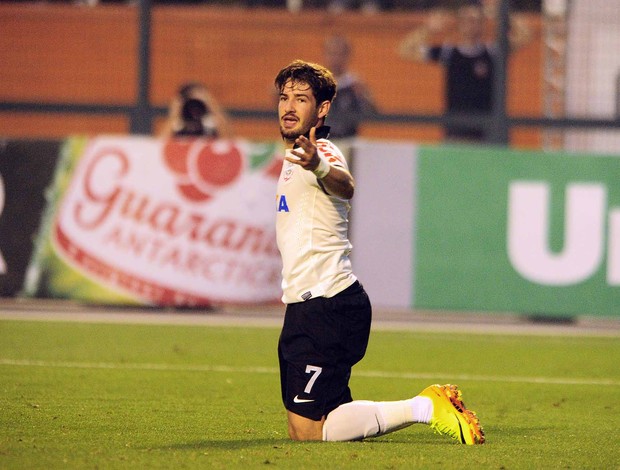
301,400
460,430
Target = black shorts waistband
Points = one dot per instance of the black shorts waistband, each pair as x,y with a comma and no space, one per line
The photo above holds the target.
352,289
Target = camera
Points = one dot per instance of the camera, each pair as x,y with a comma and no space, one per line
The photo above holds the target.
194,110
195,114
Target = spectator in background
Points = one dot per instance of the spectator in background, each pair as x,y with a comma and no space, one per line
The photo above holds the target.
469,64
353,102
195,112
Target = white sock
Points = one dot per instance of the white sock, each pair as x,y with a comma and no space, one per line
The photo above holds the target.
422,409
360,419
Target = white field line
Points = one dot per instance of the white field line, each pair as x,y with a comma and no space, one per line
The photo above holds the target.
273,370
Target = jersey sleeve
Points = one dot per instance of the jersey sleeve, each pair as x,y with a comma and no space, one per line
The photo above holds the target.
331,153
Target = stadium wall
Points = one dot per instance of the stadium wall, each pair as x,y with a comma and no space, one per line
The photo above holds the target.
62,53
593,73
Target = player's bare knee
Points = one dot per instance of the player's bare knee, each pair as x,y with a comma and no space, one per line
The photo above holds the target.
304,434
303,429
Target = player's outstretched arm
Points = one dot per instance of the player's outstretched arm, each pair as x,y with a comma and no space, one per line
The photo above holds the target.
339,182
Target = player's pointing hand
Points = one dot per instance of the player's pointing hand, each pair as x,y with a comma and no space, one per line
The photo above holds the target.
305,153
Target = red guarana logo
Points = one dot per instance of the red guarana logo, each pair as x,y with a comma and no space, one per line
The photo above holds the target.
202,167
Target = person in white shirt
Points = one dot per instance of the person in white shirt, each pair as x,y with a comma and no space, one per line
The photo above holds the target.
328,313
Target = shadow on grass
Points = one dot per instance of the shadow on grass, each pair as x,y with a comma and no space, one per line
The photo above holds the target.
237,444
230,444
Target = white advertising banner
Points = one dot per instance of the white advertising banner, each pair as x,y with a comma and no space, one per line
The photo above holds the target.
383,221
180,222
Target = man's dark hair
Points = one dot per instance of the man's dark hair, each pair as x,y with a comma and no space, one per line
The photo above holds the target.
321,80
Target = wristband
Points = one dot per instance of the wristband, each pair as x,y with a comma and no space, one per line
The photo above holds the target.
321,171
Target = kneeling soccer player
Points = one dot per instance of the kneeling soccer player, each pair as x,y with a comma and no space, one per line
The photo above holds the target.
328,314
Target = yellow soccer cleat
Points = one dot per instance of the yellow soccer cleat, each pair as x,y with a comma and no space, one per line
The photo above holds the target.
451,417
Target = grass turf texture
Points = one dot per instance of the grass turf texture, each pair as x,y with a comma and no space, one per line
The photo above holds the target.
150,396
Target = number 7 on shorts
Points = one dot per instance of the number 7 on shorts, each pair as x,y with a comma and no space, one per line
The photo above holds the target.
315,371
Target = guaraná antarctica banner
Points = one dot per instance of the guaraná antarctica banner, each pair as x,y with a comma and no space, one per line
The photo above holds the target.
186,222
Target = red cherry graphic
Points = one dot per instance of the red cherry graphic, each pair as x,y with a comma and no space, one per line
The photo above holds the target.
202,167
219,163
175,154
192,192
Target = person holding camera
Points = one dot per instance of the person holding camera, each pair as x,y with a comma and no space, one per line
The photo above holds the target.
195,112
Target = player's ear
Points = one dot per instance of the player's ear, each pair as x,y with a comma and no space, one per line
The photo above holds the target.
324,108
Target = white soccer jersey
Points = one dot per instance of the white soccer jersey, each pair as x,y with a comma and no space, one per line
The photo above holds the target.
312,232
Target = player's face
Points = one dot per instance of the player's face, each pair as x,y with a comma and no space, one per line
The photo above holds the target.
297,110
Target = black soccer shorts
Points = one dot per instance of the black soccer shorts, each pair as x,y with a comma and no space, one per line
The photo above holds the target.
321,340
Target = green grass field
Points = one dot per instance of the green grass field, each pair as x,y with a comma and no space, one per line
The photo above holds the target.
76,395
